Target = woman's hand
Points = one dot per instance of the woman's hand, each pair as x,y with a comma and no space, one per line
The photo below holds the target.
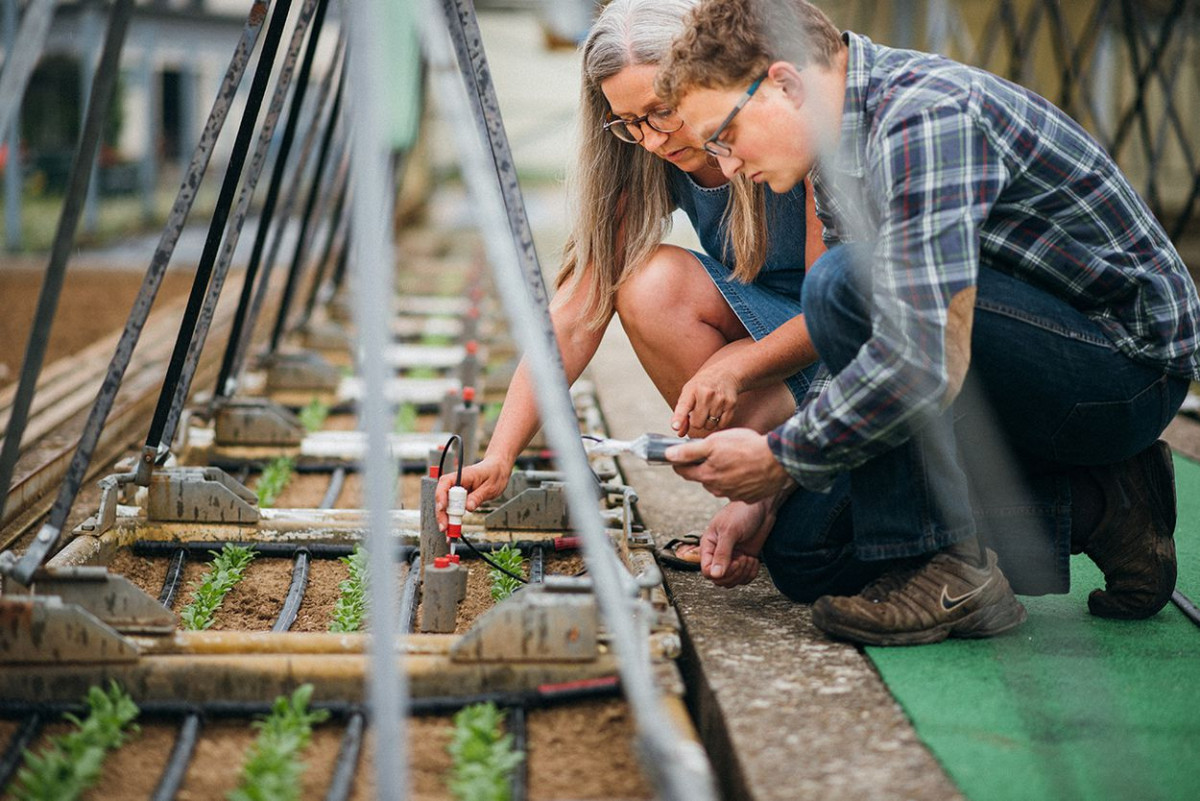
707,401
483,480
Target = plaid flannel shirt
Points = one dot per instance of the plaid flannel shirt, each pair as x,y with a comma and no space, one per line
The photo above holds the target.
940,168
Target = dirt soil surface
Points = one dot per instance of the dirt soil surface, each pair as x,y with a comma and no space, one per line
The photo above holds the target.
583,752
322,594
94,303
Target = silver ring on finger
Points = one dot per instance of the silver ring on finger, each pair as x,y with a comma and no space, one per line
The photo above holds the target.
712,419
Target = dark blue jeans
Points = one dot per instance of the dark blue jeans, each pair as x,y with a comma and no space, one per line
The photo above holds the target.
1047,393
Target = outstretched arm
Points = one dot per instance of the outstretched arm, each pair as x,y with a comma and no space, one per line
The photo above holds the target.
518,420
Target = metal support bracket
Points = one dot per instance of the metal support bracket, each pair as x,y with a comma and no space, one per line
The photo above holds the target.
306,371
44,629
256,421
549,622
199,495
110,598
541,508
326,336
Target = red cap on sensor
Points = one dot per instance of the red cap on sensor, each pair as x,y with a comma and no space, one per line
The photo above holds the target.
468,394
441,561
455,558
472,347
434,471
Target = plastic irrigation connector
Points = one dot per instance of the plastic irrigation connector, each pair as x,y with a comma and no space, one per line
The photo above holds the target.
468,395
455,509
441,561
472,347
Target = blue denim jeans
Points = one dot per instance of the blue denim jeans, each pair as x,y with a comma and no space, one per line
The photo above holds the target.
763,305
1047,393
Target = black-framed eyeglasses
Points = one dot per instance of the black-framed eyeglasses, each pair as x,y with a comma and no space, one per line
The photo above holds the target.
663,120
713,145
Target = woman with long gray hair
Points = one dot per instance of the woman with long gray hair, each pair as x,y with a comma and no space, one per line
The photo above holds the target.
719,332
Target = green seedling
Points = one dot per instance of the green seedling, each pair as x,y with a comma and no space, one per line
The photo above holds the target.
71,763
351,605
273,769
421,372
437,340
483,758
227,570
274,479
312,416
406,418
504,585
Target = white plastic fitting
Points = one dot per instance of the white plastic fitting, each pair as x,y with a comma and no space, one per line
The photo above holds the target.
456,507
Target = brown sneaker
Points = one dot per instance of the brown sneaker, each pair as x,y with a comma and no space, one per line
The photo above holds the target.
947,596
1134,543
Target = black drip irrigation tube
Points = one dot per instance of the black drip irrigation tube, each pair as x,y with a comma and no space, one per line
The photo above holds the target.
174,577
517,724
295,596
336,482
21,739
205,550
542,697
181,756
537,565
347,759
192,717
408,595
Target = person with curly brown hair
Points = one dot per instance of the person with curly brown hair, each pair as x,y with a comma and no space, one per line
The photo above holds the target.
1006,327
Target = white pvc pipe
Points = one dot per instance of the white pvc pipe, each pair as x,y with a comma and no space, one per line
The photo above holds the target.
372,277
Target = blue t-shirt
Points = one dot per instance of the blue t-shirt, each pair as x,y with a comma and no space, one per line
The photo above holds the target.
773,297
783,272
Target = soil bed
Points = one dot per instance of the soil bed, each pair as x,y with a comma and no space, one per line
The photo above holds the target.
80,320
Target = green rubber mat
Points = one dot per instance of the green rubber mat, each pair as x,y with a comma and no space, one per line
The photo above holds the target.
1068,706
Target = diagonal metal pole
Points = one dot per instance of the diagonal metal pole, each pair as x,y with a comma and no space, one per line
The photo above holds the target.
64,238
233,173
233,232
374,264
258,279
50,531
679,769
337,221
303,241
35,25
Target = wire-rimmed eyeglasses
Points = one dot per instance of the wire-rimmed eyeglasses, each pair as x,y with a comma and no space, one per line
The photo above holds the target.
663,120
713,145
